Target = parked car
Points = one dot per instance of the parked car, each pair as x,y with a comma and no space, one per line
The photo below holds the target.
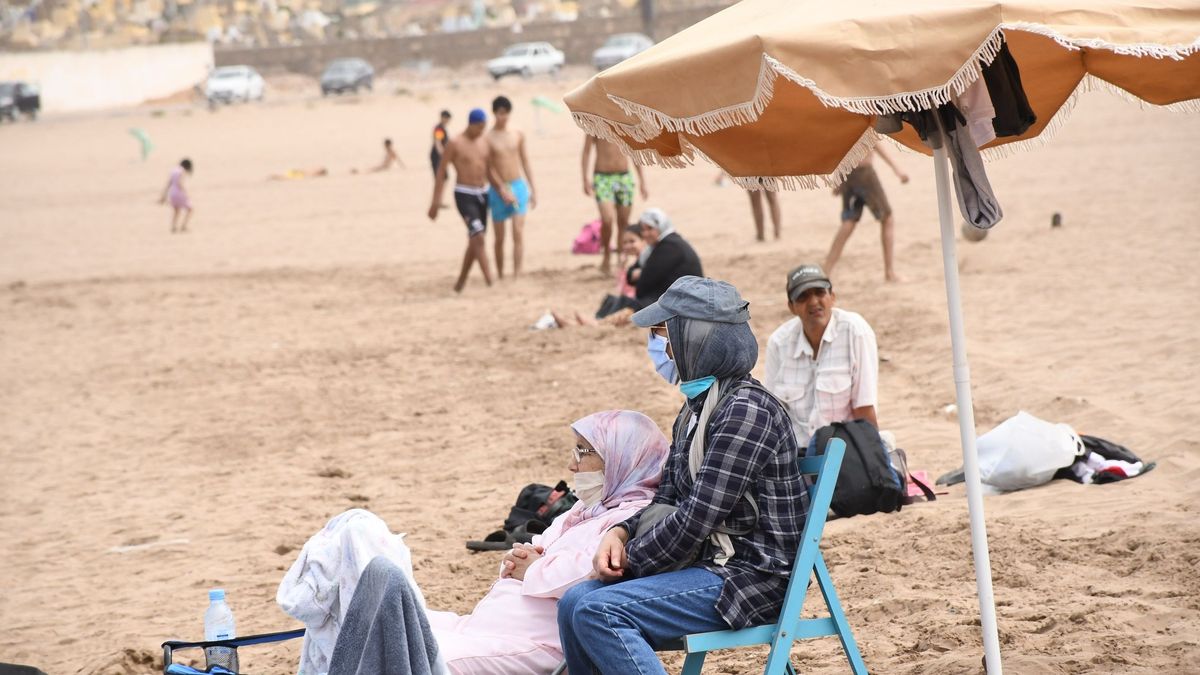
527,59
618,48
19,98
234,83
347,75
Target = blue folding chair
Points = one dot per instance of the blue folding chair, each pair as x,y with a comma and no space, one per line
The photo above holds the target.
809,561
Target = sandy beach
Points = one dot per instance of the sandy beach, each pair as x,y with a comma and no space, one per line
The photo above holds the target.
181,412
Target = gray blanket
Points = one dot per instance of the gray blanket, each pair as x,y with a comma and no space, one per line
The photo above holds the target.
386,630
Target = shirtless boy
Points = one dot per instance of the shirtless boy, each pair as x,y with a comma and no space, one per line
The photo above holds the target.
468,154
612,186
512,192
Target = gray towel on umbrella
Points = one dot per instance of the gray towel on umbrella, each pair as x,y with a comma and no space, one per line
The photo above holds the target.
386,631
975,198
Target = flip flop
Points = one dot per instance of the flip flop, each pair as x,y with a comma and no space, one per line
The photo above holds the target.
496,541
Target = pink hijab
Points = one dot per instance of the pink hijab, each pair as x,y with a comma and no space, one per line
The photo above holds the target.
633,449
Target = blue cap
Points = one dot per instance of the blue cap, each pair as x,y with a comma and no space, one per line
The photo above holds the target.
477,115
216,594
696,298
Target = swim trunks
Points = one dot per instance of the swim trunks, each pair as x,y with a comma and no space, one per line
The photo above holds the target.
502,211
613,187
472,203
861,189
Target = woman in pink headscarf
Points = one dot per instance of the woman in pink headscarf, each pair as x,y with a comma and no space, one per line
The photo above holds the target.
617,460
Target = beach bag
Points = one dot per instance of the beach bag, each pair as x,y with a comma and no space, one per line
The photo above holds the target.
1024,451
872,479
587,242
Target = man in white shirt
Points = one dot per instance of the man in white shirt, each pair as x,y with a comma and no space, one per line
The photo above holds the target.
824,363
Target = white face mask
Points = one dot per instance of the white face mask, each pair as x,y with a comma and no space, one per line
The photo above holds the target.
589,486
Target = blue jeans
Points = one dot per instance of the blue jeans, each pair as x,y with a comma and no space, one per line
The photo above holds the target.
612,628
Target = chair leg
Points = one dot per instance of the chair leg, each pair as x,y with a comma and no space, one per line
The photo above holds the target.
692,663
791,670
825,582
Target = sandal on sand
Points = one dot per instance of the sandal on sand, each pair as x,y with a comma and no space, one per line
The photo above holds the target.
496,541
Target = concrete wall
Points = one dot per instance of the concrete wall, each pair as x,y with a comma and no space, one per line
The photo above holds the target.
109,78
578,39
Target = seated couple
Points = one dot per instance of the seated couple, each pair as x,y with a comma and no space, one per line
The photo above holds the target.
616,458
660,257
714,548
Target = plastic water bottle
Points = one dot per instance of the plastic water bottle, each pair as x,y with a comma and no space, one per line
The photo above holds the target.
219,625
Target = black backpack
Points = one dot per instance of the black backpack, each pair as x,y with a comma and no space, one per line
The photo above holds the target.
541,504
870,481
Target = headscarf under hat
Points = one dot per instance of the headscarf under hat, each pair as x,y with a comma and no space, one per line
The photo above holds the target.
633,449
726,351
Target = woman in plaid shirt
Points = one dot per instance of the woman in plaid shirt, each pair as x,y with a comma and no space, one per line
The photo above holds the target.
721,558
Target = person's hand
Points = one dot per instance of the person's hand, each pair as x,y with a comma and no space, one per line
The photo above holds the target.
518,560
903,178
644,192
533,200
587,188
508,196
609,562
433,211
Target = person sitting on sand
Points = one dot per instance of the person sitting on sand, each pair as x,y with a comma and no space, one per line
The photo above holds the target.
616,308
178,196
671,257
390,158
616,458
823,363
297,174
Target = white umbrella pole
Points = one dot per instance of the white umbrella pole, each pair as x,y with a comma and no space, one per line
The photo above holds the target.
966,418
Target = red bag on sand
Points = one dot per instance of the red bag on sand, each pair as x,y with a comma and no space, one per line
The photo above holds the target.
587,242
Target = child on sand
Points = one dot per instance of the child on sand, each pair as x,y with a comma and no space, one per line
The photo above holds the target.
178,196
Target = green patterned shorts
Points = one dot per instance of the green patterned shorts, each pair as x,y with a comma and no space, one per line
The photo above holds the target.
613,187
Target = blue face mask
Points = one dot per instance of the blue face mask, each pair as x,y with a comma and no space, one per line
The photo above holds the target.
693,388
656,347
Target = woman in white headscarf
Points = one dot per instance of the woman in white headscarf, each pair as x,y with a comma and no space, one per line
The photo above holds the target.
616,459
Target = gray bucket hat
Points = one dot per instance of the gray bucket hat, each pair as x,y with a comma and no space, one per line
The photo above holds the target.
696,298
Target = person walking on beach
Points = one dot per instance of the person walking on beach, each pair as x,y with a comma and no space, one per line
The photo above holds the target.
178,196
512,191
441,138
468,154
611,184
861,188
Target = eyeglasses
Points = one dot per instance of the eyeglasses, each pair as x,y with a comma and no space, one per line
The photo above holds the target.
578,453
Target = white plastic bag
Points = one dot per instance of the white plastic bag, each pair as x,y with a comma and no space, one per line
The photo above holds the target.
1024,451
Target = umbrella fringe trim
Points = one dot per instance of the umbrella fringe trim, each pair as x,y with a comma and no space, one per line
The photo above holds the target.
909,101
654,121
597,126
865,144
1140,49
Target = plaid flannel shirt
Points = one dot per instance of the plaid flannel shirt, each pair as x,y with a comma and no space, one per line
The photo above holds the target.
751,450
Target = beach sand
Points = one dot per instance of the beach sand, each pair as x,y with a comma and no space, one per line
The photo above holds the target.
182,412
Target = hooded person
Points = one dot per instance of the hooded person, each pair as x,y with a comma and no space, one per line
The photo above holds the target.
617,460
715,551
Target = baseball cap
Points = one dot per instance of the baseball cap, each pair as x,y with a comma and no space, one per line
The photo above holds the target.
696,298
477,115
805,277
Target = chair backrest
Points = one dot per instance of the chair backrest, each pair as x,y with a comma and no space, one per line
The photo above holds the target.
826,468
